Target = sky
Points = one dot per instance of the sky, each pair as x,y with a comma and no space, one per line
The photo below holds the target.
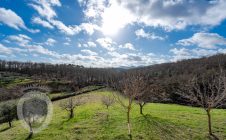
111,33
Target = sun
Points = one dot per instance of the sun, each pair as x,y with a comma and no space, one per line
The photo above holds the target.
115,18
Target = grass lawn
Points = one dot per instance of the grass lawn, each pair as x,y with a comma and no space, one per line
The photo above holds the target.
159,122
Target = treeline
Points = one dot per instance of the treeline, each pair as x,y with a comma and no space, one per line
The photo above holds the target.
59,77
163,78
57,72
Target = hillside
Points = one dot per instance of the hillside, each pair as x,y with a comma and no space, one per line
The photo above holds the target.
160,121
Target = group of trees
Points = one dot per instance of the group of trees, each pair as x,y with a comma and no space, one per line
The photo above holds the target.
76,74
202,89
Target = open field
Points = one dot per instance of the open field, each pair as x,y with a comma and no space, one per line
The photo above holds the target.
160,121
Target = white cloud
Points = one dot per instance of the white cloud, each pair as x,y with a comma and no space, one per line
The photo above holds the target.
133,59
93,8
44,23
91,44
45,9
11,19
40,49
69,30
155,13
204,40
21,39
127,46
50,42
55,2
183,53
165,13
89,28
106,43
5,50
179,54
140,33
10,50
67,43
26,42
88,58
89,52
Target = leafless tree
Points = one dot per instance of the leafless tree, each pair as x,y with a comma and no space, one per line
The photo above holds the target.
207,91
70,105
107,101
130,87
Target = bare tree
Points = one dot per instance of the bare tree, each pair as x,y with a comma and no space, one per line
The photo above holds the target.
150,92
141,100
207,91
130,88
107,101
70,105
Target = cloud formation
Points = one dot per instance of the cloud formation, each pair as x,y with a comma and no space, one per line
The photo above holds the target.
127,46
106,43
156,13
204,40
11,19
45,8
140,33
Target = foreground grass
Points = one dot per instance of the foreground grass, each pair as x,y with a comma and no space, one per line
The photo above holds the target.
159,122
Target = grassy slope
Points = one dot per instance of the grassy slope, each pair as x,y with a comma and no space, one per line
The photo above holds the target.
161,121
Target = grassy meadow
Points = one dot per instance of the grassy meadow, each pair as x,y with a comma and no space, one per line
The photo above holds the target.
159,122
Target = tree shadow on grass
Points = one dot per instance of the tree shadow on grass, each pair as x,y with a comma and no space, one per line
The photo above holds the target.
5,129
29,137
160,127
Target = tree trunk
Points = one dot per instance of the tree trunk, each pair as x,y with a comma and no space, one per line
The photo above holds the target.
10,124
141,108
31,130
209,121
128,123
71,113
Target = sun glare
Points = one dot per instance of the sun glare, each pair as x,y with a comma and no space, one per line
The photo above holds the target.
114,19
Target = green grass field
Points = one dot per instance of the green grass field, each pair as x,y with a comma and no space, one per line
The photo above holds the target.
159,122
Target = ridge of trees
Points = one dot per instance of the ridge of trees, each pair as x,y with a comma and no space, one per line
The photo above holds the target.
165,78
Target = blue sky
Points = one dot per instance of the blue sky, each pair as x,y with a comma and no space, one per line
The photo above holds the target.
111,33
